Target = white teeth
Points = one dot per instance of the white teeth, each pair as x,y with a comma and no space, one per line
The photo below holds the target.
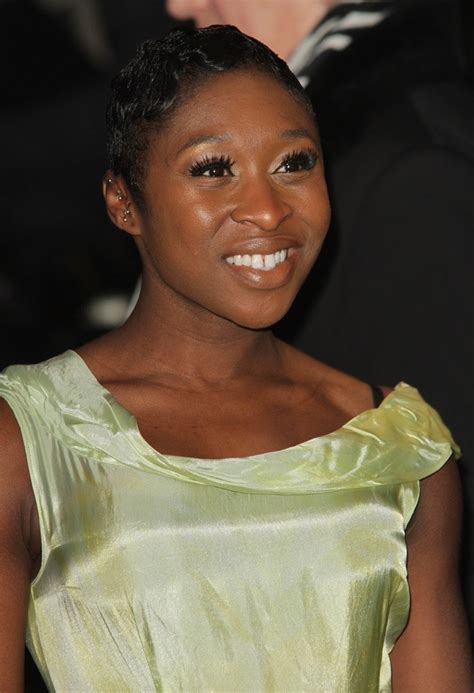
257,261
269,261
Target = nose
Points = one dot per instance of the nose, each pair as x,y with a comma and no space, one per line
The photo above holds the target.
259,203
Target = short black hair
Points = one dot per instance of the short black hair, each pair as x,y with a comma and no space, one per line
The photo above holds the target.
163,73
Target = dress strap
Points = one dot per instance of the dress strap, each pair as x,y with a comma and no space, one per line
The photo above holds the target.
377,395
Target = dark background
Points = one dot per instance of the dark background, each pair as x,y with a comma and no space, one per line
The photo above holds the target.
65,272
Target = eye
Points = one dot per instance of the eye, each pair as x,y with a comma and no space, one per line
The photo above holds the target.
212,167
298,161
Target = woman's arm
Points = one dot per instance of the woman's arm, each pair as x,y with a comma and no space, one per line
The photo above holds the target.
433,652
15,561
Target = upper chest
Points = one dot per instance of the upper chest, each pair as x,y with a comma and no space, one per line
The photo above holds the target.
232,424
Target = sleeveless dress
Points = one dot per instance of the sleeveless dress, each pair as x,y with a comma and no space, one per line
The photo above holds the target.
283,571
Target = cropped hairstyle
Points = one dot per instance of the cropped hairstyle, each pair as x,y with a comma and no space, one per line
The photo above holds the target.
163,73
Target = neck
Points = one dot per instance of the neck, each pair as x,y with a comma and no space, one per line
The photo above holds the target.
191,346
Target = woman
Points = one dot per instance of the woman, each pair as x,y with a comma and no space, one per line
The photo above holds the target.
178,534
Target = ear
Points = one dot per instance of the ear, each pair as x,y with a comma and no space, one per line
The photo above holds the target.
119,204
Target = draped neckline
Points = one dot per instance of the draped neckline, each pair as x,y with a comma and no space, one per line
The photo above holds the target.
133,423
402,440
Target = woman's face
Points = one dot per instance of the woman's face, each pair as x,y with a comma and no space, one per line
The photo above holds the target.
236,207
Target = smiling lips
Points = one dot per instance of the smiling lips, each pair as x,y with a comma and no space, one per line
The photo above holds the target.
258,261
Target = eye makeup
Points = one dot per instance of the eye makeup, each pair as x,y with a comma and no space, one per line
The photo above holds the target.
221,166
298,160
212,166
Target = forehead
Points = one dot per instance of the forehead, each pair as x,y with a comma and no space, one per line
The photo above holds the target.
241,104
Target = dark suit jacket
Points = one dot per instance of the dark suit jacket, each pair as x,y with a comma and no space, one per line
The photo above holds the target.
390,298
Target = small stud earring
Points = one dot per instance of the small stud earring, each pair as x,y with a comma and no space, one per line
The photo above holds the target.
120,195
126,213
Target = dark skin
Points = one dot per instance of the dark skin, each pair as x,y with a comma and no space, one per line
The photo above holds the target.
198,365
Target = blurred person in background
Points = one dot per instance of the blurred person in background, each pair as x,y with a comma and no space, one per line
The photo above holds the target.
396,116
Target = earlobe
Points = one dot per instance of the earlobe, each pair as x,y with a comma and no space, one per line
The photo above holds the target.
119,206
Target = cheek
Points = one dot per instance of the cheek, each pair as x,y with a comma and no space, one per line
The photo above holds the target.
179,238
315,211
323,213
186,218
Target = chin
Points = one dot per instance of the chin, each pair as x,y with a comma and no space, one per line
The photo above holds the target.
260,319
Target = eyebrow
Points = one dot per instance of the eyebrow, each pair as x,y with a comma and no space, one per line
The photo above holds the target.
295,133
203,139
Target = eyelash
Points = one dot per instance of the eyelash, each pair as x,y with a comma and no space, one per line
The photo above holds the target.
207,163
305,159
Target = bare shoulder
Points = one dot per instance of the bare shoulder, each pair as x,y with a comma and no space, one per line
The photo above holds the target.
99,353
341,390
15,556
434,532
111,360
12,453
433,652
19,528
439,512
16,494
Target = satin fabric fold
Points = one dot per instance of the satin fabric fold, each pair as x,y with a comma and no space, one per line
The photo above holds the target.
284,571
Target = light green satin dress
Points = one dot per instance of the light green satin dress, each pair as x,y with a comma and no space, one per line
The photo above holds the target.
283,571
